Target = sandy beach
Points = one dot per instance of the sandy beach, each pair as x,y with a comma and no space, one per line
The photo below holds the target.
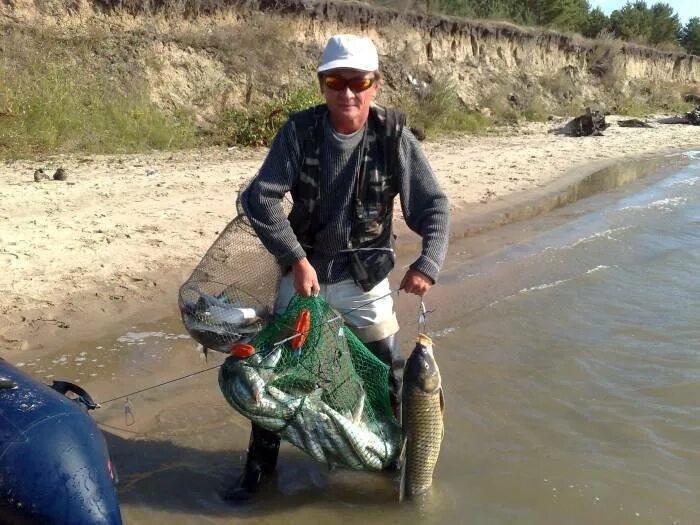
115,240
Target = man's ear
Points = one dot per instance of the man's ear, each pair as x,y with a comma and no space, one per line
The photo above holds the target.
376,89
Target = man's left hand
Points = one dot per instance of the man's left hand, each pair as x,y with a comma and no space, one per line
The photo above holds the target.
416,283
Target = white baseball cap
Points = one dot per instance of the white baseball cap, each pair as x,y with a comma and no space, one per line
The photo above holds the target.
349,52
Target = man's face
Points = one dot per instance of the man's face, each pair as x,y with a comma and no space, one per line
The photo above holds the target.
348,109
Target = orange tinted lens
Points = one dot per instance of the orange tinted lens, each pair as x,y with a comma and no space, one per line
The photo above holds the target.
338,83
360,84
333,82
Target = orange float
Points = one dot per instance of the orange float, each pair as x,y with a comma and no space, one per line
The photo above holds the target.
301,329
242,350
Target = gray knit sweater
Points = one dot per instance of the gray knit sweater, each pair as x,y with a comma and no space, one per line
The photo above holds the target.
424,205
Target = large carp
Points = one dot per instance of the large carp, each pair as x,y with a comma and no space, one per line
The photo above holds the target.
422,410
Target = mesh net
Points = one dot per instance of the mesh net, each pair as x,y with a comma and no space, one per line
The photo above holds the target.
316,385
229,296
329,397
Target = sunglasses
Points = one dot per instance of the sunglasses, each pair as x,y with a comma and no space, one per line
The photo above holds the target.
356,85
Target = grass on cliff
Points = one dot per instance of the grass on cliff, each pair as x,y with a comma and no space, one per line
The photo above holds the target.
58,96
650,97
64,108
51,102
438,111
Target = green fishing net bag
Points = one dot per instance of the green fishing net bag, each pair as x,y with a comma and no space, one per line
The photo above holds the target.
318,387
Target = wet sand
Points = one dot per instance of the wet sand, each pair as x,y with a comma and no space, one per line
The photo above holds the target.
113,243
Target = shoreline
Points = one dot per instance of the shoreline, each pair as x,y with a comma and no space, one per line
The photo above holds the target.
111,246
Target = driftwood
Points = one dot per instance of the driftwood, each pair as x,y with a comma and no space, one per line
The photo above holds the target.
590,123
673,120
633,123
693,117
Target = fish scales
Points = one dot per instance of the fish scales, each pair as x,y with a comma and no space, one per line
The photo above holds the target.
422,419
306,421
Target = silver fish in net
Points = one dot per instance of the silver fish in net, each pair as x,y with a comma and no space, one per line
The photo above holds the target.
216,322
304,419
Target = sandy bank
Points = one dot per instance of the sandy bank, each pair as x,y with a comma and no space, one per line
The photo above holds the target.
113,242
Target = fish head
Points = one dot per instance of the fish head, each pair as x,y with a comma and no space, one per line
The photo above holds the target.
422,369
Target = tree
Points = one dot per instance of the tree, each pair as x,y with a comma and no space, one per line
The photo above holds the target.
595,23
569,15
632,22
690,36
512,10
665,25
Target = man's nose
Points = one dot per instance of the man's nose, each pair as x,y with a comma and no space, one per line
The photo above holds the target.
347,93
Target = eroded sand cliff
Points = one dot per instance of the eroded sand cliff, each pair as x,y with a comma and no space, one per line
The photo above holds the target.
212,55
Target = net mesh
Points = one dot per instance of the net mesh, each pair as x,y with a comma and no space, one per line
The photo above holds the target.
328,396
331,395
236,267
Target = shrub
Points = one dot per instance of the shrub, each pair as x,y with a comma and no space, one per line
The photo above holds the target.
561,84
601,59
645,98
535,110
438,110
257,126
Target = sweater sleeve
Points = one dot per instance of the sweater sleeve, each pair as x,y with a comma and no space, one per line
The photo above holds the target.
262,199
424,204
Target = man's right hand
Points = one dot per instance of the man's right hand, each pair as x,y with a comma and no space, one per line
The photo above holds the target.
305,278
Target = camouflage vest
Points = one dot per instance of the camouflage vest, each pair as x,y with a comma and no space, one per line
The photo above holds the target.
370,245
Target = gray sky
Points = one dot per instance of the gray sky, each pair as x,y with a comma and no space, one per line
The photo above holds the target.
686,9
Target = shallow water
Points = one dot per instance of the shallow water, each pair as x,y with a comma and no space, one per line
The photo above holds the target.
578,384
569,352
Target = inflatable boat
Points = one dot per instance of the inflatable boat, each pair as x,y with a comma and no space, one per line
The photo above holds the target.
54,465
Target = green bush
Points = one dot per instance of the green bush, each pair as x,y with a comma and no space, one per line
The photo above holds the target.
645,98
535,110
560,84
257,126
439,111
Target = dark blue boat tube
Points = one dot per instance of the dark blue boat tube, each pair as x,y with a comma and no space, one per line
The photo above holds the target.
54,464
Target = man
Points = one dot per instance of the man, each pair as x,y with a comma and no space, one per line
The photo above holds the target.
344,162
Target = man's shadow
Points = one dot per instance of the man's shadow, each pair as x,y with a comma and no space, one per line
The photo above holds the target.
163,475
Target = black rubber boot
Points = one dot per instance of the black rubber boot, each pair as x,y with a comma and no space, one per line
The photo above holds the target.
387,350
261,462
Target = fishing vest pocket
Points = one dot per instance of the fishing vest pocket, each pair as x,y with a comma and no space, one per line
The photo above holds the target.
370,266
380,188
366,232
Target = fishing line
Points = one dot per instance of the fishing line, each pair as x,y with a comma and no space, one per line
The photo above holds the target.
423,316
159,385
